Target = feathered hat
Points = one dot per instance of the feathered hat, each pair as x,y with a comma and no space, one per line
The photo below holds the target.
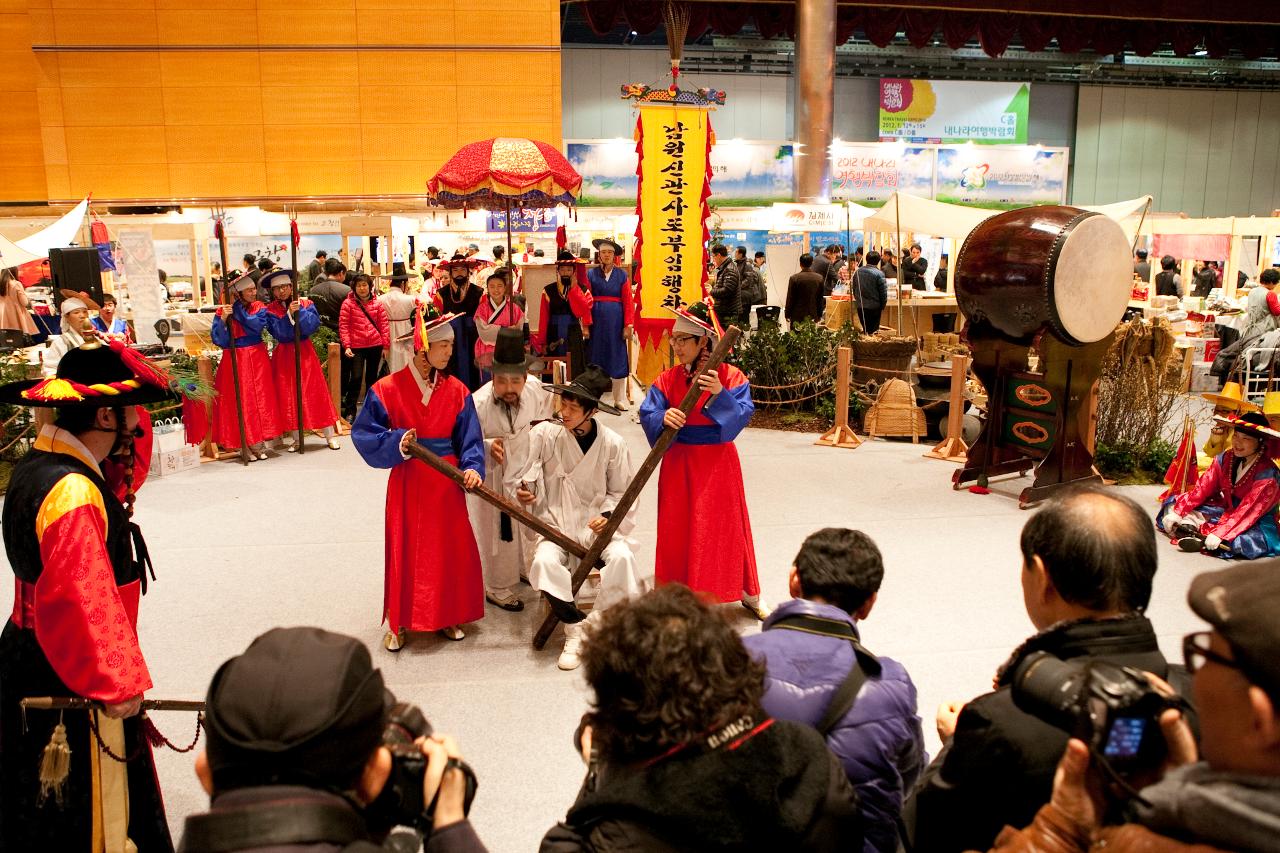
698,319
94,376
432,326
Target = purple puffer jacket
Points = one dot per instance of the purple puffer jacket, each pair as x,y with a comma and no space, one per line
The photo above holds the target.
879,741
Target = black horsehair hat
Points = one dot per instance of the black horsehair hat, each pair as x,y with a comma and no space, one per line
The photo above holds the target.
399,272
94,376
589,386
508,352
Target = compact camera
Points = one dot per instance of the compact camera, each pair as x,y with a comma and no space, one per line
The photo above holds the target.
401,801
1113,709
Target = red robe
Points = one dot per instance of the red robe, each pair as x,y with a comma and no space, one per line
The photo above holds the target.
317,406
433,577
257,389
704,531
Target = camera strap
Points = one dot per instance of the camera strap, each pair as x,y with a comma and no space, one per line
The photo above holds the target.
864,666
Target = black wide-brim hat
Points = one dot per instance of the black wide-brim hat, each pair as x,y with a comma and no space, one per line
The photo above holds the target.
398,273
591,385
605,241
269,279
508,353
94,376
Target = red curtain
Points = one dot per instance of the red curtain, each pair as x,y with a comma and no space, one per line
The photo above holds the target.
995,33
1036,32
921,25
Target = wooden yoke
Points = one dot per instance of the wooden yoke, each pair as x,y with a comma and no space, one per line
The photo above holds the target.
483,492
637,484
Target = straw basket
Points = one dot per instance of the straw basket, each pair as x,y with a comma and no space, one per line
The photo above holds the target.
873,356
895,412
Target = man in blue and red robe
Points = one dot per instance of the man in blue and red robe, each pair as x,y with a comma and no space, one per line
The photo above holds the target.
704,531
433,576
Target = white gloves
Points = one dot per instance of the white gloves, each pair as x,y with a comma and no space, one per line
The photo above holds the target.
1171,520
1211,542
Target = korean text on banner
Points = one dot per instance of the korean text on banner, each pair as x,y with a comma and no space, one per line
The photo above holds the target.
674,145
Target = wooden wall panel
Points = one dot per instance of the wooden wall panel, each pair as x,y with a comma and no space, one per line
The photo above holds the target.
330,68
311,143
122,146
398,176
394,68
212,105
207,26
217,143
408,26
100,26
149,180
408,104
209,68
217,179
110,106
418,142
300,104
330,178
299,26
95,70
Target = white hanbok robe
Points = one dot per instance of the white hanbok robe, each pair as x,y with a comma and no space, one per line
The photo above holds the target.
572,488
504,562
58,347
400,306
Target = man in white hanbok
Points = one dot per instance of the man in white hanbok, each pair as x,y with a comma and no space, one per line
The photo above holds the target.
577,473
507,408
400,309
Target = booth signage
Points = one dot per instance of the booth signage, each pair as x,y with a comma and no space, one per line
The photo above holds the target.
809,217
953,111
524,221
1001,177
870,173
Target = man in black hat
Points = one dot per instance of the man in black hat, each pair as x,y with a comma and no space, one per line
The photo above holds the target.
1225,794
507,407
79,565
400,310
295,756
577,472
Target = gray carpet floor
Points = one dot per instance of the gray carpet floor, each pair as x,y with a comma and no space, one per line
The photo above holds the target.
297,540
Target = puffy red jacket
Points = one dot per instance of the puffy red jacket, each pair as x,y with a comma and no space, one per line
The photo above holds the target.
355,330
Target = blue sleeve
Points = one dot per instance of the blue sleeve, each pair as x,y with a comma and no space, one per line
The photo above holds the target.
468,440
220,334
99,325
308,320
377,442
731,409
254,323
652,411
280,328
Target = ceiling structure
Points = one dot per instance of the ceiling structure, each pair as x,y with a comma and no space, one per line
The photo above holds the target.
1174,43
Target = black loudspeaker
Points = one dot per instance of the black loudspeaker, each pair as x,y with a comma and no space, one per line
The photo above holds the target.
76,269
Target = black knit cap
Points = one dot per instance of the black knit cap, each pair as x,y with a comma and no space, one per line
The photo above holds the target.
300,706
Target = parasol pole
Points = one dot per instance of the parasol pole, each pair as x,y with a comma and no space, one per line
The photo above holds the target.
294,238
221,230
511,285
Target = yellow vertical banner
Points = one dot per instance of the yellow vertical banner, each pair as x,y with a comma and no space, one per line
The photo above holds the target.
674,144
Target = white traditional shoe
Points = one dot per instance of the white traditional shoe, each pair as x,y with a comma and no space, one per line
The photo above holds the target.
394,640
756,606
453,632
569,656
334,444
290,447
262,456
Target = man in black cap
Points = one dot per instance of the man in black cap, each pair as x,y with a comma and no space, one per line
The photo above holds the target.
294,758
1226,797
80,564
577,472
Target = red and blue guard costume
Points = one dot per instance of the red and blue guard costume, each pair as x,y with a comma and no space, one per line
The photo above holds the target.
258,398
704,532
317,406
433,577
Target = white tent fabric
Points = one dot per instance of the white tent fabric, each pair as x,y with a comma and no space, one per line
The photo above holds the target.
37,246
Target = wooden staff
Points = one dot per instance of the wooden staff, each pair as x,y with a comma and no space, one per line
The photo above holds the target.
79,703
692,397
517,512
235,372
294,238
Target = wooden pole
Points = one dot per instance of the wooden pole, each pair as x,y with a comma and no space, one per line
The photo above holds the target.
204,367
231,350
637,484
333,363
952,448
519,513
841,435
297,327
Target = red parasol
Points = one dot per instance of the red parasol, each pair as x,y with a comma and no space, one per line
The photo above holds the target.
506,173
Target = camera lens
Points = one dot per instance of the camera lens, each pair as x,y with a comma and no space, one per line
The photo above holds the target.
1049,688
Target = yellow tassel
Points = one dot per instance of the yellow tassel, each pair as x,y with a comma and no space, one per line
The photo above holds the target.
55,765
53,389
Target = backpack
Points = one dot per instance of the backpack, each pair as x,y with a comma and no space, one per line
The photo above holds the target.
751,290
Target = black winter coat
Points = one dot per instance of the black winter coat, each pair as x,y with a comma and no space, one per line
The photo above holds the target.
724,290
780,789
998,768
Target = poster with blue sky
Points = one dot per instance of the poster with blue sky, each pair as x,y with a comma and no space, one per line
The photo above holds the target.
1001,178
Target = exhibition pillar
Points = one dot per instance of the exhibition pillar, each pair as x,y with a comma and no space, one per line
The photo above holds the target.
815,97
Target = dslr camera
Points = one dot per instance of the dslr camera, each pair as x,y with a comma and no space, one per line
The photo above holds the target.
1113,709
401,801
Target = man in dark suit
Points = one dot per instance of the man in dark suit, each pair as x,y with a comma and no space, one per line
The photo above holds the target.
914,268
804,293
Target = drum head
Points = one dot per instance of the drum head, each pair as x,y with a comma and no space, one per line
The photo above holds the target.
1092,280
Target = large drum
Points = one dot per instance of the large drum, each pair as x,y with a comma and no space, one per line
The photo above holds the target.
1060,268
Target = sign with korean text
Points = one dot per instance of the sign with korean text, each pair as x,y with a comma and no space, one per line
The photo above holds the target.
953,111
1001,177
524,221
809,217
869,173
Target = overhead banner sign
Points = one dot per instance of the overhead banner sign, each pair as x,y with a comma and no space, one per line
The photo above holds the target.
809,217
953,111
1001,178
524,221
674,183
746,173
869,173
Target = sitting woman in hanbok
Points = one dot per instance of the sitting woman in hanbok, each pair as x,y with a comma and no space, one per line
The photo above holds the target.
1231,510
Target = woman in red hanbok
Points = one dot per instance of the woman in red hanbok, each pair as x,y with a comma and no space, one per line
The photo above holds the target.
496,310
257,388
704,531
433,578
284,314
1231,510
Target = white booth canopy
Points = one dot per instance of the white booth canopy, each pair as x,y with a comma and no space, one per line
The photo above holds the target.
58,235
